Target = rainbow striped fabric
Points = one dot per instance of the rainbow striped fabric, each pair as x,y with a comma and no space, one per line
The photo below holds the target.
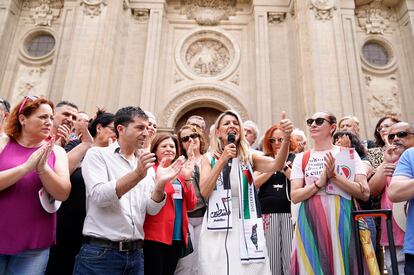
322,241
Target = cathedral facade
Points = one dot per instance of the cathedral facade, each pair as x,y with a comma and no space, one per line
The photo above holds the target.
181,57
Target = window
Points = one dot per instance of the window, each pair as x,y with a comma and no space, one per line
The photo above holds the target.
375,54
40,44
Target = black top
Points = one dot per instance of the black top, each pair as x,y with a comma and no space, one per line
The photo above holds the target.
273,196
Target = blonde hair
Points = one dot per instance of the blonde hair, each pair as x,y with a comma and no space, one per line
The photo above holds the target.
217,145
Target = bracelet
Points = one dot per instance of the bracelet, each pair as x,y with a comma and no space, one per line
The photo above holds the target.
319,188
285,168
188,180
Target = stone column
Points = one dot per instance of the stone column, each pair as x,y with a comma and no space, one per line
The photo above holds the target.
263,85
9,18
152,53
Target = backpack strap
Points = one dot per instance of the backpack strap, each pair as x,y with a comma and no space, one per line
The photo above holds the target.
305,160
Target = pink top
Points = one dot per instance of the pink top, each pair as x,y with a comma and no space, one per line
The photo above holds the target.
396,230
24,224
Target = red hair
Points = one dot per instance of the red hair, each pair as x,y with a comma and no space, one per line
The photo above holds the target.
13,128
267,147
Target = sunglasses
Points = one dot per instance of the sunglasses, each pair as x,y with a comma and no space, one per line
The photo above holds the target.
401,134
187,138
26,98
318,121
273,140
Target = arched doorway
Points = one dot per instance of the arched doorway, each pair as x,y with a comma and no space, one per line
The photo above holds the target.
209,114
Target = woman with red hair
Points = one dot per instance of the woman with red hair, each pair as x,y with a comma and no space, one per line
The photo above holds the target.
30,164
274,196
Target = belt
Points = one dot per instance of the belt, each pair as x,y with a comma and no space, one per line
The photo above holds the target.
120,246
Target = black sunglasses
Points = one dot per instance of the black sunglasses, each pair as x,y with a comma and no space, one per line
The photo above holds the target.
401,134
187,138
273,140
318,121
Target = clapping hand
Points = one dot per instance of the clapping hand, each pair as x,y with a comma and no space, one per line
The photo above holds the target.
42,165
84,134
145,161
286,125
62,134
166,174
391,156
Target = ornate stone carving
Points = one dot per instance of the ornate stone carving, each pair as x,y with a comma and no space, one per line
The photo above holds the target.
141,15
43,12
31,82
375,17
178,77
207,57
209,12
199,94
383,95
323,9
276,17
93,8
236,79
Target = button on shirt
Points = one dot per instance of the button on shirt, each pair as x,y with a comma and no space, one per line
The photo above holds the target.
108,216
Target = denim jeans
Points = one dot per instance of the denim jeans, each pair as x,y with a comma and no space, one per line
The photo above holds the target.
93,259
29,262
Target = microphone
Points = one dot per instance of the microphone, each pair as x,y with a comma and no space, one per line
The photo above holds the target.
231,138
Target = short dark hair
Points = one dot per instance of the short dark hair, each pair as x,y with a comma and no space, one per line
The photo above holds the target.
126,115
67,103
5,104
103,118
160,137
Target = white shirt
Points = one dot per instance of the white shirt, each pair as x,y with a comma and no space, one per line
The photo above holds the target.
107,216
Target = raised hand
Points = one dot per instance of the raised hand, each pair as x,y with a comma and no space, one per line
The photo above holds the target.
229,152
392,153
84,134
330,165
32,162
166,174
188,168
42,165
286,125
145,161
62,134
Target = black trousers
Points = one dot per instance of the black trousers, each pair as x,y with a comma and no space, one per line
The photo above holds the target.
160,258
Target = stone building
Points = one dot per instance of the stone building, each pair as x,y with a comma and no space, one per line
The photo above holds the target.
182,57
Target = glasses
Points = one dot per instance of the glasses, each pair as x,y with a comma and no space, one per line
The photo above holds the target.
318,121
26,98
273,140
401,134
187,138
379,129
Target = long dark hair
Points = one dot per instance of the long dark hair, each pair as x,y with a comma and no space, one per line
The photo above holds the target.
378,140
355,142
103,118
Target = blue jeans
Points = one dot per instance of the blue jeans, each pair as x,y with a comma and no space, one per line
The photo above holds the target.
93,259
29,262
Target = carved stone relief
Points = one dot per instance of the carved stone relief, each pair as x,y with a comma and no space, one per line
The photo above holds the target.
43,12
207,54
323,9
375,18
93,8
204,94
141,15
33,81
276,17
208,12
383,95
207,57
236,79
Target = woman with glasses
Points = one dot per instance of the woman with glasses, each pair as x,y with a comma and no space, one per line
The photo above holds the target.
232,238
31,166
274,195
166,234
192,144
322,239
71,214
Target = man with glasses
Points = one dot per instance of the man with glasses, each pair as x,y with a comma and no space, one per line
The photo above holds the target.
4,112
400,137
402,189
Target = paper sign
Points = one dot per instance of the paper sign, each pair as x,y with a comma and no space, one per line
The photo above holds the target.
49,204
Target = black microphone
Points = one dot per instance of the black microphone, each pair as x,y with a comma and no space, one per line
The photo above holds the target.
231,138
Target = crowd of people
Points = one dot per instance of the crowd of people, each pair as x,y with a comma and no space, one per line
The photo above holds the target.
108,194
